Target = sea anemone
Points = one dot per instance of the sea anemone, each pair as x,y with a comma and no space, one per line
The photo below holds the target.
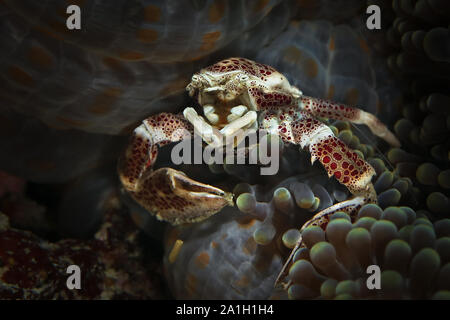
412,255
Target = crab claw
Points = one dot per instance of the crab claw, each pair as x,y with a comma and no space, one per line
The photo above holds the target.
167,193
174,197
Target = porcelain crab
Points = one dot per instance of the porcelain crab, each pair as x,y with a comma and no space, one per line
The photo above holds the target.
237,93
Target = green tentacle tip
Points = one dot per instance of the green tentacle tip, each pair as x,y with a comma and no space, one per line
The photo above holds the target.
290,238
246,202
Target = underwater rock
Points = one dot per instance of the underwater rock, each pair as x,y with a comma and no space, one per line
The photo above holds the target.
112,264
25,214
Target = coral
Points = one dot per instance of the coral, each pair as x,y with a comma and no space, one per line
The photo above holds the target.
111,264
25,214
22,212
411,252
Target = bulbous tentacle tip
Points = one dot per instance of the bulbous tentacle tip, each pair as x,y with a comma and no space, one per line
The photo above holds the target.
174,197
350,207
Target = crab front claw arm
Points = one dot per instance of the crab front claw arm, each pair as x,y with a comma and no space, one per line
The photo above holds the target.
167,193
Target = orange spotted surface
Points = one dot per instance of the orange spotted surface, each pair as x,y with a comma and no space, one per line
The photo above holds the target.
211,266
160,30
108,76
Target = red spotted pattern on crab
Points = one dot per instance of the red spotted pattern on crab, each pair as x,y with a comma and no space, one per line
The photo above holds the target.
239,94
241,64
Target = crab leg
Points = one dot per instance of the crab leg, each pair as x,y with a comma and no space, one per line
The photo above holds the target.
166,192
328,109
322,219
338,160
336,157
274,99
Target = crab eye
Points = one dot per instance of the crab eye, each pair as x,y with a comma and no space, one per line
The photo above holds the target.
243,77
